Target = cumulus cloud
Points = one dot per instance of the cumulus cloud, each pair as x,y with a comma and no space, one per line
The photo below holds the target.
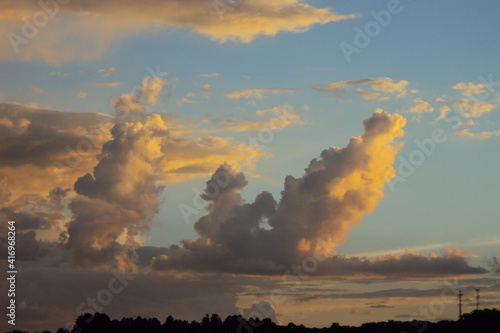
313,216
120,197
117,201
257,93
132,104
337,189
45,153
95,27
381,88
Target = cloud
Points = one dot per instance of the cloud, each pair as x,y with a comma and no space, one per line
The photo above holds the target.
313,216
210,75
443,111
454,252
102,72
36,90
257,93
186,100
496,265
55,73
119,198
132,104
45,153
419,107
480,135
382,88
151,88
96,27
82,94
117,201
366,313
41,149
283,116
369,95
107,72
471,103
315,212
106,84
408,264
206,87
381,306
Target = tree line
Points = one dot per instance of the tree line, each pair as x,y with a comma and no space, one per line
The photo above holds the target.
479,321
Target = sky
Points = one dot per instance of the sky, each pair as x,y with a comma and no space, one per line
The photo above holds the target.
308,161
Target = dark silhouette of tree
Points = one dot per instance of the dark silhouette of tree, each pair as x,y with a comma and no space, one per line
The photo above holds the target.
479,321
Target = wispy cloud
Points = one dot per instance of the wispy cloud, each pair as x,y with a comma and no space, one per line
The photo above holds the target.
210,75
382,88
81,94
419,107
278,117
479,135
106,84
106,72
258,93
35,90
58,74
206,87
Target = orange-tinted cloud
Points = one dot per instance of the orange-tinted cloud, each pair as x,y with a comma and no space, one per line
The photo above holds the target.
95,26
257,93
382,88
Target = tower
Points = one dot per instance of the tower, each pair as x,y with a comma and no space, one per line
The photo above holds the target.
460,304
477,299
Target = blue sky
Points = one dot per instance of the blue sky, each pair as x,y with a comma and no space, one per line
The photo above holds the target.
435,63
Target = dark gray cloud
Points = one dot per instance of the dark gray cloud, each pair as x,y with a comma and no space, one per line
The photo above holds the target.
39,137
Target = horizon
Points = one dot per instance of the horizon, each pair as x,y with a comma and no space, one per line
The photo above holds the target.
297,160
